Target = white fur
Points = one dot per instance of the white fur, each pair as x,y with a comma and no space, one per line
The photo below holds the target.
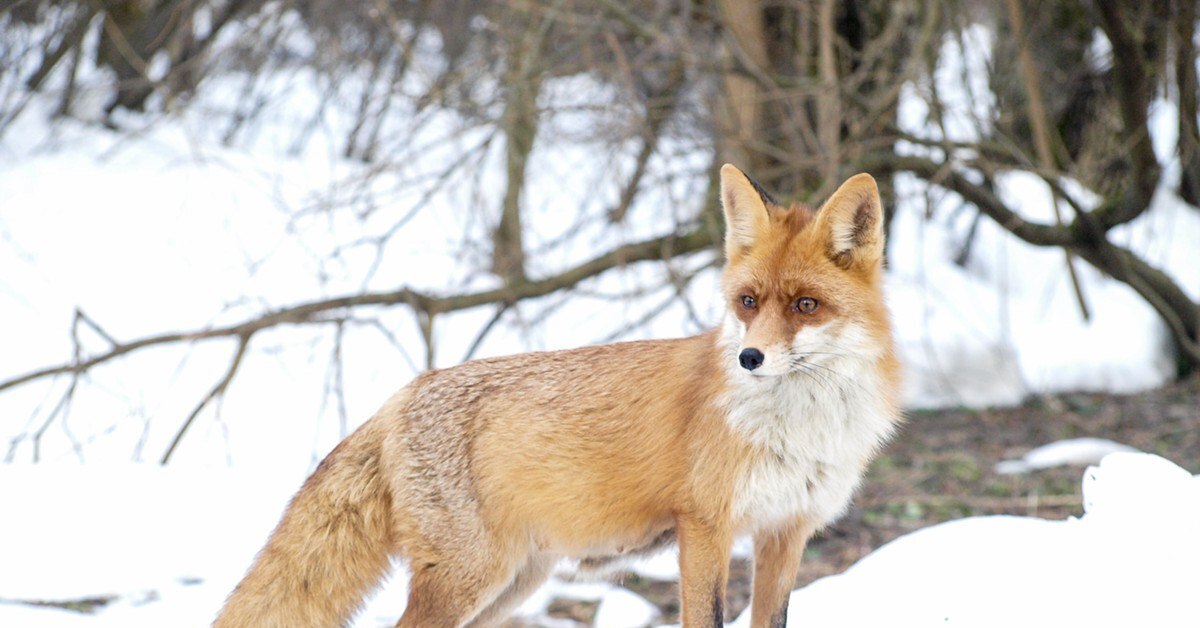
814,428
841,235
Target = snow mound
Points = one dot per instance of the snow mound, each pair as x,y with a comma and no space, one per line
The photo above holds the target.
1129,561
1072,451
1143,490
621,608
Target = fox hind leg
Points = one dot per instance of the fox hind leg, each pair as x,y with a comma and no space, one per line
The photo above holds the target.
527,580
452,590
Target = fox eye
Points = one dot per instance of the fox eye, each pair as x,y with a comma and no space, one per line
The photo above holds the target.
805,305
748,302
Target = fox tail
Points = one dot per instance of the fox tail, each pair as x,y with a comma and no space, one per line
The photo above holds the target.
331,549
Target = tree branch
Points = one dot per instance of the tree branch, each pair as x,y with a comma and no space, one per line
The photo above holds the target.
944,175
1134,90
1041,134
69,41
1086,236
662,247
217,391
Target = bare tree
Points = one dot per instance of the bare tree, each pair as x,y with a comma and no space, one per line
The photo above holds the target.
800,92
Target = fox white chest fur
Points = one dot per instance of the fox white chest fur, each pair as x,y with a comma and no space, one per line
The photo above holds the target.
813,431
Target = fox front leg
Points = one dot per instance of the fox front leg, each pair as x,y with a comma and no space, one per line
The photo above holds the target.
777,555
704,568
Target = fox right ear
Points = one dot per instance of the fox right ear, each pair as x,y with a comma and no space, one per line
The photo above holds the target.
745,211
853,222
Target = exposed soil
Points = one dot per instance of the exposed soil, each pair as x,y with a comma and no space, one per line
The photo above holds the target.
940,467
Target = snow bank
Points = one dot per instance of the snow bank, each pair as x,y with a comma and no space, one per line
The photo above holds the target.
1129,561
167,546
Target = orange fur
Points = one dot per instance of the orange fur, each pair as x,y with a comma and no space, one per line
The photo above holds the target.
483,475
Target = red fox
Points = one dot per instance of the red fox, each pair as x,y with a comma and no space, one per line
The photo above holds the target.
481,477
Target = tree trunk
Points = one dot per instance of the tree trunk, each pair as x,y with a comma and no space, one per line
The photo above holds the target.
1189,91
519,122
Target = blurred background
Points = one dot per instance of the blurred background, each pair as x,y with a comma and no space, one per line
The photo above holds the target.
230,229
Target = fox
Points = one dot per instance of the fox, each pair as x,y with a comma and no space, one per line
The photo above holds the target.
482,477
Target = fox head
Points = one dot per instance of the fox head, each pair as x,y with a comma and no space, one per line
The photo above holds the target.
802,288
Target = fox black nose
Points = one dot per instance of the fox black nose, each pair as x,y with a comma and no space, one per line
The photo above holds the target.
750,359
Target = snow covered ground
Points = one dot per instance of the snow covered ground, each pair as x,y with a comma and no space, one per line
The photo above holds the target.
166,546
168,228
1126,562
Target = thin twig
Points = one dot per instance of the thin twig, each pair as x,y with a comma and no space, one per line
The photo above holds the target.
1041,136
217,390
483,333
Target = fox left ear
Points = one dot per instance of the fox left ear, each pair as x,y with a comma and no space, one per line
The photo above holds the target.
853,222
745,205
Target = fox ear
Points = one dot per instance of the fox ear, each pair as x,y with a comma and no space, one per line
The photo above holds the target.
853,222
745,205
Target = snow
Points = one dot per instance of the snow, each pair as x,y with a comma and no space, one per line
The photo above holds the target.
160,524
1005,323
662,567
169,227
217,223
1128,561
168,545
623,609
1072,451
